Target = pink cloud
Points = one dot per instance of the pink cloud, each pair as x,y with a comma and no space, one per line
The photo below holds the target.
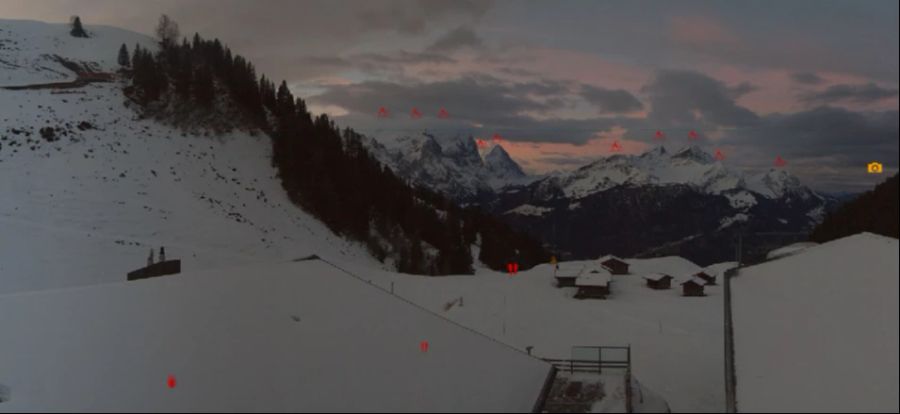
598,147
700,31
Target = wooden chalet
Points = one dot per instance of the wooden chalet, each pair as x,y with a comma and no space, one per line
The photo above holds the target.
659,281
693,287
614,265
709,279
593,285
565,276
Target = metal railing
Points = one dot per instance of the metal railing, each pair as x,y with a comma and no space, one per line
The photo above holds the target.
594,365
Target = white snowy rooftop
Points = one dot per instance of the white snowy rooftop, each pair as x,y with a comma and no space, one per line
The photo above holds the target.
593,279
569,271
280,337
696,279
610,257
817,331
655,276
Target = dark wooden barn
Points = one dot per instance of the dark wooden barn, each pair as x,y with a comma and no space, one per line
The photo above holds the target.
659,281
565,280
693,287
565,277
615,265
710,280
592,286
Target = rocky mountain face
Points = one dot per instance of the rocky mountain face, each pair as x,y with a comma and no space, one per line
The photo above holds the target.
452,166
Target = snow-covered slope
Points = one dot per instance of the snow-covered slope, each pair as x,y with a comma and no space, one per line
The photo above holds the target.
817,331
451,165
278,337
27,48
87,204
789,250
676,341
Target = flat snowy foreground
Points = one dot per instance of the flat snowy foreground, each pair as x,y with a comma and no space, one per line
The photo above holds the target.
284,337
676,341
818,331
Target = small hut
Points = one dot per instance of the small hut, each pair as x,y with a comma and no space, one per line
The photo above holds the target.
565,276
709,279
593,285
693,287
659,281
614,265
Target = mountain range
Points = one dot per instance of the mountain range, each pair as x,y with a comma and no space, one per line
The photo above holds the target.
451,165
684,202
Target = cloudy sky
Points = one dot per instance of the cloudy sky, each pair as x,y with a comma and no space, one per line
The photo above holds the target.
814,82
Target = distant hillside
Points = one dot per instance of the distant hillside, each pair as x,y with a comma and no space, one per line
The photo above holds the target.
874,212
324,169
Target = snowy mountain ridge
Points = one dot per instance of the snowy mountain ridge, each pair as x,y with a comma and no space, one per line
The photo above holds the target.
451,165
690,165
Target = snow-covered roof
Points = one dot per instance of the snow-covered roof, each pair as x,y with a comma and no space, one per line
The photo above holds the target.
569,271
296,336
595,269
656,276
610,257
702,273
696,280
806,340
593,279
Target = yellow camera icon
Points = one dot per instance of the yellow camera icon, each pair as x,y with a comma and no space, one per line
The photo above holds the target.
875,168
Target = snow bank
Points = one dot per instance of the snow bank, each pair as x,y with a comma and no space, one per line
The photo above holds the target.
818,331
789,250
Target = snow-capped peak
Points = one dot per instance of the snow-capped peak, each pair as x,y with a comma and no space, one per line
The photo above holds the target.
656,152
694,153
776,183
451,165
499,163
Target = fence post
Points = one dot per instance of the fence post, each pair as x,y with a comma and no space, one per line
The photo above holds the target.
600,360
629,393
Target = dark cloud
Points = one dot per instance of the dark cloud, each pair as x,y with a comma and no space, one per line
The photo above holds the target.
807,78
828,147
461,37
326,61
611,100
863,93
680,97
408,17
476,98
389,65
742,89
402,57
477,103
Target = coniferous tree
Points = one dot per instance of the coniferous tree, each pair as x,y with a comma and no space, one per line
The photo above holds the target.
124,59
204,87
167,31
77,29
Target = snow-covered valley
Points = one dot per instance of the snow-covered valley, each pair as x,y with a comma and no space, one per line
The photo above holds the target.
272,311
